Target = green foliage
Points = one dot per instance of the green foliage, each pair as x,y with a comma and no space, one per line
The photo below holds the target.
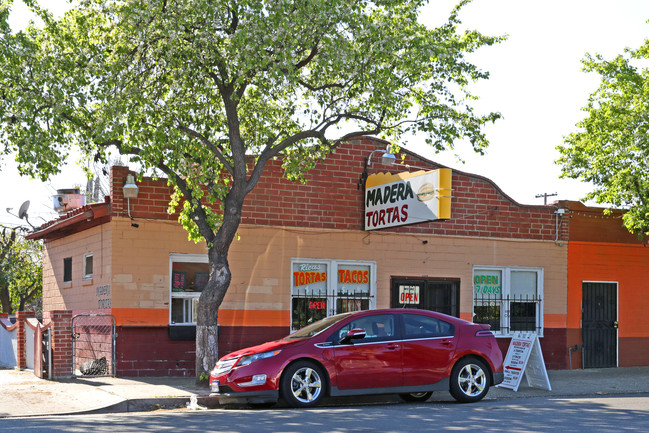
611,147
194,87
208,91
21,271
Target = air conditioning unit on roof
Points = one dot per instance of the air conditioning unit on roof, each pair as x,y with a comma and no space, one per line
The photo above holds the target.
66,200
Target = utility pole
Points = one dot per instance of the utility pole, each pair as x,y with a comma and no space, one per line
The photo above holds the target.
545,196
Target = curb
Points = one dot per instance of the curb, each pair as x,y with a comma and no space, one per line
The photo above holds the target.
152,404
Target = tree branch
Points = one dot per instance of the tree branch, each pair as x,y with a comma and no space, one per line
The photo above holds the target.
215,149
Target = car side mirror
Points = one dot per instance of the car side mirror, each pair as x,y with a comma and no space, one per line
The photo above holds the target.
353,334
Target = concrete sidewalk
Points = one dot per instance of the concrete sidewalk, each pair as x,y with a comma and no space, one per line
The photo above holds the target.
23,394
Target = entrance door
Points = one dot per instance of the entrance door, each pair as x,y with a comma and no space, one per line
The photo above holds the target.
441,295
599,324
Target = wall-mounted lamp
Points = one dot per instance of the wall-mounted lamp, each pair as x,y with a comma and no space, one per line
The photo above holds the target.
130,188
130,191
386,159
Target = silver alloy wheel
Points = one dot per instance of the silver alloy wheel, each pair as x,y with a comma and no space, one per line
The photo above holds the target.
306,385
472,380
416,397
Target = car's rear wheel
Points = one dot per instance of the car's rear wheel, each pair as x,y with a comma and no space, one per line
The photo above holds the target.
469,380
416,396
303,384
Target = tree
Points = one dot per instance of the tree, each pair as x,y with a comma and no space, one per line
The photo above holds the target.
611,147
21,270
206,92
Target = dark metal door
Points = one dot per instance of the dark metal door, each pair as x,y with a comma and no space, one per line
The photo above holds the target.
441,295
599,325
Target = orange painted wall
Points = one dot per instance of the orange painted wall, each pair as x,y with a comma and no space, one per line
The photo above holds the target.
626,264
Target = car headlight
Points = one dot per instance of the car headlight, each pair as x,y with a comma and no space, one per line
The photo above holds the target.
245,360
223,367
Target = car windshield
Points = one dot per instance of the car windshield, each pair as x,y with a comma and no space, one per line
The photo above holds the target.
317,327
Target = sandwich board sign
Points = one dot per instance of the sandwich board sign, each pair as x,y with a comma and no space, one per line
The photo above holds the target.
524,357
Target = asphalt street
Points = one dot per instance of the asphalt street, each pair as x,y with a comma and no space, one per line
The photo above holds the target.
628,413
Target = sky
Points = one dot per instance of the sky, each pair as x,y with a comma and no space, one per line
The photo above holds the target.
535,82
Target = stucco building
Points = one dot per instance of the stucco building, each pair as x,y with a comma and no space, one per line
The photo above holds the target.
330,245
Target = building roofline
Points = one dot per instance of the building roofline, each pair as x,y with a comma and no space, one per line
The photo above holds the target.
74,221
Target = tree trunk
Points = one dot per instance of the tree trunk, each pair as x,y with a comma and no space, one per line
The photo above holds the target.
5,302
208,306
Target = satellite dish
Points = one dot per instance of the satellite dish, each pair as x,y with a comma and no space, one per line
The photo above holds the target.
22,212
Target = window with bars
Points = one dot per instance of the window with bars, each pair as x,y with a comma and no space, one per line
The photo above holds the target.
321,288
509,299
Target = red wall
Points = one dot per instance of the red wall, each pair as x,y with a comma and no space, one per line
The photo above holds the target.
333,198
148,352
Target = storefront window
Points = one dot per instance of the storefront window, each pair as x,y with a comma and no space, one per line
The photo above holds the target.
524,301
309,293
316,293
508,299
352,288
189,275
487,287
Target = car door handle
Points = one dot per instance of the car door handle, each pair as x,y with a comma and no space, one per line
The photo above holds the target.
393,347
447,342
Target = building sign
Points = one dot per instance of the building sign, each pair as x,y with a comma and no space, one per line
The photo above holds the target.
408,295
103,296
354,276
407,198
306,274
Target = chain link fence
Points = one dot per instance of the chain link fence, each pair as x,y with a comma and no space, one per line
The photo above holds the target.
93,345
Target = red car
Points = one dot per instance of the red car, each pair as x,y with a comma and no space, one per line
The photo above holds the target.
403,351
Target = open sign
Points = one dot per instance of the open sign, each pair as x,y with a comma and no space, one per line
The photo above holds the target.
409,294
317,305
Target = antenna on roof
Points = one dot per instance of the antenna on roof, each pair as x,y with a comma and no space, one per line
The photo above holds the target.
22,213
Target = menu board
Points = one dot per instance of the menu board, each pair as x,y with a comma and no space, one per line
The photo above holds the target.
524,357
178,281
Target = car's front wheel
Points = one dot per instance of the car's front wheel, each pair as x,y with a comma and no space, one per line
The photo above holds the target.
469,380
303,384
416,396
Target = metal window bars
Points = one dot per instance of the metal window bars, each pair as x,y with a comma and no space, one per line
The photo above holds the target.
308,306
508,314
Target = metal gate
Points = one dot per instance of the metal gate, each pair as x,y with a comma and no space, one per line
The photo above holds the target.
93,345
599,325
441,295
